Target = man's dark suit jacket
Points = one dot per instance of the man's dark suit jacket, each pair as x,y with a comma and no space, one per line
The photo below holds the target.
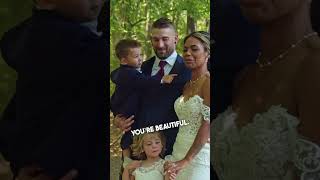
57,118
157,103
130,87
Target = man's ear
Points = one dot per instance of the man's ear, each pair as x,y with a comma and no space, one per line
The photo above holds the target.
176,38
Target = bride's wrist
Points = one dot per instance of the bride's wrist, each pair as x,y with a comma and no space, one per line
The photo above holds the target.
187,159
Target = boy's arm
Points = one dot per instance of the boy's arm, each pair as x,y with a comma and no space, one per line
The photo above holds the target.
136,79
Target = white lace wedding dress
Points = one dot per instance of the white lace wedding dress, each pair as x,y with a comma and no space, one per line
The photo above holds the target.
269,148
193,111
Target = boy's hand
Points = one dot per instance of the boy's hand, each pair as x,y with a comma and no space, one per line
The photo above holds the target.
133,165
168,78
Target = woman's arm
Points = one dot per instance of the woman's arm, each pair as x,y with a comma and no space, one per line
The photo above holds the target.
308,99
203,133
307,96
126,174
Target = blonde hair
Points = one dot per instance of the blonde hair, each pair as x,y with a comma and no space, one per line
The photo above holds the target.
137,145
203,37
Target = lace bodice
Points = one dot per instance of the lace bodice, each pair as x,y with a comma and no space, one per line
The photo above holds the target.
154,172
269,148
193,111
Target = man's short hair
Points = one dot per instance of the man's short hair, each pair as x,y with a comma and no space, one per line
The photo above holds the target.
123,46
163,23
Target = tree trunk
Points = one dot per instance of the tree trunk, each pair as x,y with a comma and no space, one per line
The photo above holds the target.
191,24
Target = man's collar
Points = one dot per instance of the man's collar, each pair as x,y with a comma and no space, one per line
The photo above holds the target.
170,60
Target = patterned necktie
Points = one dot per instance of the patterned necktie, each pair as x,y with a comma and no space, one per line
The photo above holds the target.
161,65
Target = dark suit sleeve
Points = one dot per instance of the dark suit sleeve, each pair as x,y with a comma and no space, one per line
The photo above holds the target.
136,79
8,118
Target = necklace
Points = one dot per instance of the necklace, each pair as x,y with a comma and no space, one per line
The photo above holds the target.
194,81
284,53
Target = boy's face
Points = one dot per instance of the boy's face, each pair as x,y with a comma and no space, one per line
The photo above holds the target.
133,58
80,10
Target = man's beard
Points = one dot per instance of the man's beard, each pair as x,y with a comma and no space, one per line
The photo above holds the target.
165,55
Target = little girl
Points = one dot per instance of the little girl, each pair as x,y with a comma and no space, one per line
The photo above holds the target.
147,147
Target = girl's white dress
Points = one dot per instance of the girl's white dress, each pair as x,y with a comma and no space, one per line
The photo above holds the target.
154,172
193,111
269,148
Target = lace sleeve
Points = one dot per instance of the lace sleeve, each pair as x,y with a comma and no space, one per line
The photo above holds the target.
161,168
307,159
134,172
205,111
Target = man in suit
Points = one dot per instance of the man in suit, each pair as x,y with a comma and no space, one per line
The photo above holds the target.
157,104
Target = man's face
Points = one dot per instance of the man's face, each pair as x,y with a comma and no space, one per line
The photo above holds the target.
81,10
163,41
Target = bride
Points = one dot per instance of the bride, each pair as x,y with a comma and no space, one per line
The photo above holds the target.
191,151
271,132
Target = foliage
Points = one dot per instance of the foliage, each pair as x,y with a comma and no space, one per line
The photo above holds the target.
11,13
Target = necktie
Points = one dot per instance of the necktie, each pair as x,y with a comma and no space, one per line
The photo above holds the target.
161,65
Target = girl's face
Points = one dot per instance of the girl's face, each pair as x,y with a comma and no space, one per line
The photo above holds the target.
265,11
152,145
194,53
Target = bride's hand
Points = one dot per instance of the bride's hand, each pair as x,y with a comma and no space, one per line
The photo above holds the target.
166,165
178,165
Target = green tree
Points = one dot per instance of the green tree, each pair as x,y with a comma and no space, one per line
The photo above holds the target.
12,12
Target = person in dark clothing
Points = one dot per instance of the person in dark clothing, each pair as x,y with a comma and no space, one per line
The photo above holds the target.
131,83
236,46
55,122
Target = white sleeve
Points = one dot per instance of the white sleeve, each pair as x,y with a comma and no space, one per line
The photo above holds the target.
205,111
307,159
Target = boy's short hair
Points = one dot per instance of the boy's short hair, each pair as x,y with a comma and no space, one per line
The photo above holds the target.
123,46
163,23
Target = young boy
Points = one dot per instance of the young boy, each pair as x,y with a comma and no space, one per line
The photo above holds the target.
130,84
55,121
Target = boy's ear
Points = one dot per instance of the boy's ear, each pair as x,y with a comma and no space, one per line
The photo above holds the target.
123,61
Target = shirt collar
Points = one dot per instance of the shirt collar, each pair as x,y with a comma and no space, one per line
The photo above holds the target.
170,60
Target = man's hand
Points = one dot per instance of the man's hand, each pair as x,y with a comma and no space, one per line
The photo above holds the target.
133,165
122,123
168,78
